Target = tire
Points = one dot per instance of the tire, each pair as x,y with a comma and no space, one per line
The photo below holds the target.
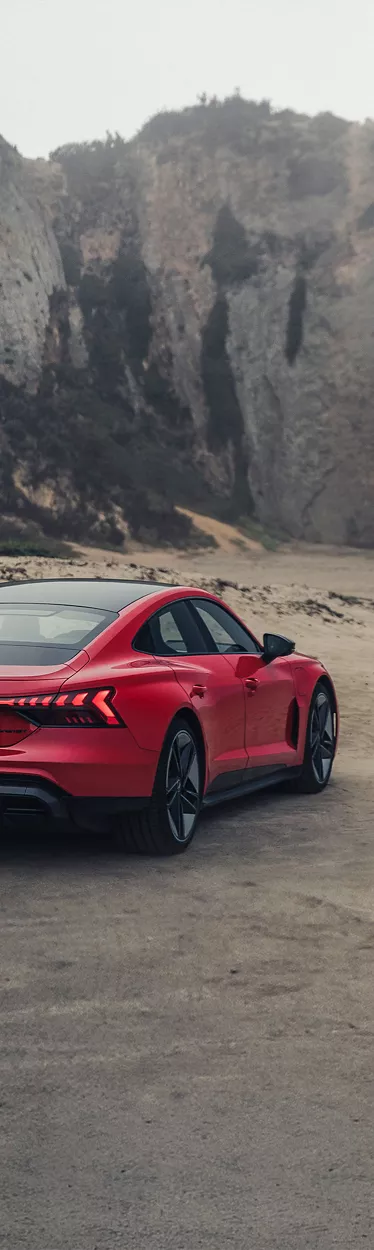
320,743
168,825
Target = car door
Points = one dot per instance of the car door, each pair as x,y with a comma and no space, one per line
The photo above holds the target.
207,680
269,688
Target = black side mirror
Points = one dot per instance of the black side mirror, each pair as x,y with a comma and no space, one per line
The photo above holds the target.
275,646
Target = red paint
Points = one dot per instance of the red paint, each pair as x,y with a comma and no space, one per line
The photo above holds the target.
243,706
269,694
13,727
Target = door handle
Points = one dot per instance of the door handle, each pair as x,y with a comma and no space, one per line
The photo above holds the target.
199,691
251,684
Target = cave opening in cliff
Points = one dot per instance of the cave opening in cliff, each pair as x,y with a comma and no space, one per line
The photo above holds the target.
295,324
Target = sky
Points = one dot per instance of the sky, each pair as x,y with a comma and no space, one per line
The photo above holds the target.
72,69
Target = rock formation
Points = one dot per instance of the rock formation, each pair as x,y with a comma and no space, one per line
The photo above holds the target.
188,319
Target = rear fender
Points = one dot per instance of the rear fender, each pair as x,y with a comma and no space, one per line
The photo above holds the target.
148,697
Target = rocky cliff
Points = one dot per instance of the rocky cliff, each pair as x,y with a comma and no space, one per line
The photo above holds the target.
188,319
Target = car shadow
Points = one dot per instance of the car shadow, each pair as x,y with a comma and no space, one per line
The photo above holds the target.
25,842
259,801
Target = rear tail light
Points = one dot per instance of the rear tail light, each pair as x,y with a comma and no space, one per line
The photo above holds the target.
78,708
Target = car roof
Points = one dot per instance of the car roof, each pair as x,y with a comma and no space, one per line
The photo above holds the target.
79,592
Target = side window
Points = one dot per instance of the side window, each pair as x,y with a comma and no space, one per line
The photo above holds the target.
143,641
172,631
167,634
227,636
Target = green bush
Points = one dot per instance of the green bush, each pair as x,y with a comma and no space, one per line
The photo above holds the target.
17,539
225,423
93,292
86,164
232,259
311,174
130,293
71,263
217,121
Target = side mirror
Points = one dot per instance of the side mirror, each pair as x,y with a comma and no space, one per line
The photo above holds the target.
275,646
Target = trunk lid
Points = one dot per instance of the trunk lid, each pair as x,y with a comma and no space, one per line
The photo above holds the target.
18,681
43,679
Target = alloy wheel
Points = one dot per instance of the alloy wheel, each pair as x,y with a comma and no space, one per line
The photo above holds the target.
182,785
322,738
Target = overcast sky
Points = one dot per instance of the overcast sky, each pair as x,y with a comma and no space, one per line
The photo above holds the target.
72,69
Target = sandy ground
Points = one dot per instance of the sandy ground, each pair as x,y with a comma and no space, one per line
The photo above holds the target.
186,1047
226,536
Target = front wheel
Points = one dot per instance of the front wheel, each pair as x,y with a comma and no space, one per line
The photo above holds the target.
320,742
168,825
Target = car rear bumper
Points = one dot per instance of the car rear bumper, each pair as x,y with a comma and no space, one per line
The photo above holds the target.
94,763
24,797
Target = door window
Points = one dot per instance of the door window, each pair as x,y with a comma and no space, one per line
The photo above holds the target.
173,631
222,632
170,636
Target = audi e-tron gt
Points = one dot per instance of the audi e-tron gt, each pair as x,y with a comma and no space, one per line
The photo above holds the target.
129,706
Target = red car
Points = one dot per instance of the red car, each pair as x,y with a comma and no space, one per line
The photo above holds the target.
131,705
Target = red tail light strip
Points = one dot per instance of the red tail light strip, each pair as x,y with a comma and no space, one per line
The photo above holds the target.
78,708
101,701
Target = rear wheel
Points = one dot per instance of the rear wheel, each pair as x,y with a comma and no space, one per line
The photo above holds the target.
320,742
168,825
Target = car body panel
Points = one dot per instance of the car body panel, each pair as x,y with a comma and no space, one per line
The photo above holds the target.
307,672
269,696
85,761
217,698
18,681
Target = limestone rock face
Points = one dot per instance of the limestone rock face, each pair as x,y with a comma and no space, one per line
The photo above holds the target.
284,238
197,306
30,268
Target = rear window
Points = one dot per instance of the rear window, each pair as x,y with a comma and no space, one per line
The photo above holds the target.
47,633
